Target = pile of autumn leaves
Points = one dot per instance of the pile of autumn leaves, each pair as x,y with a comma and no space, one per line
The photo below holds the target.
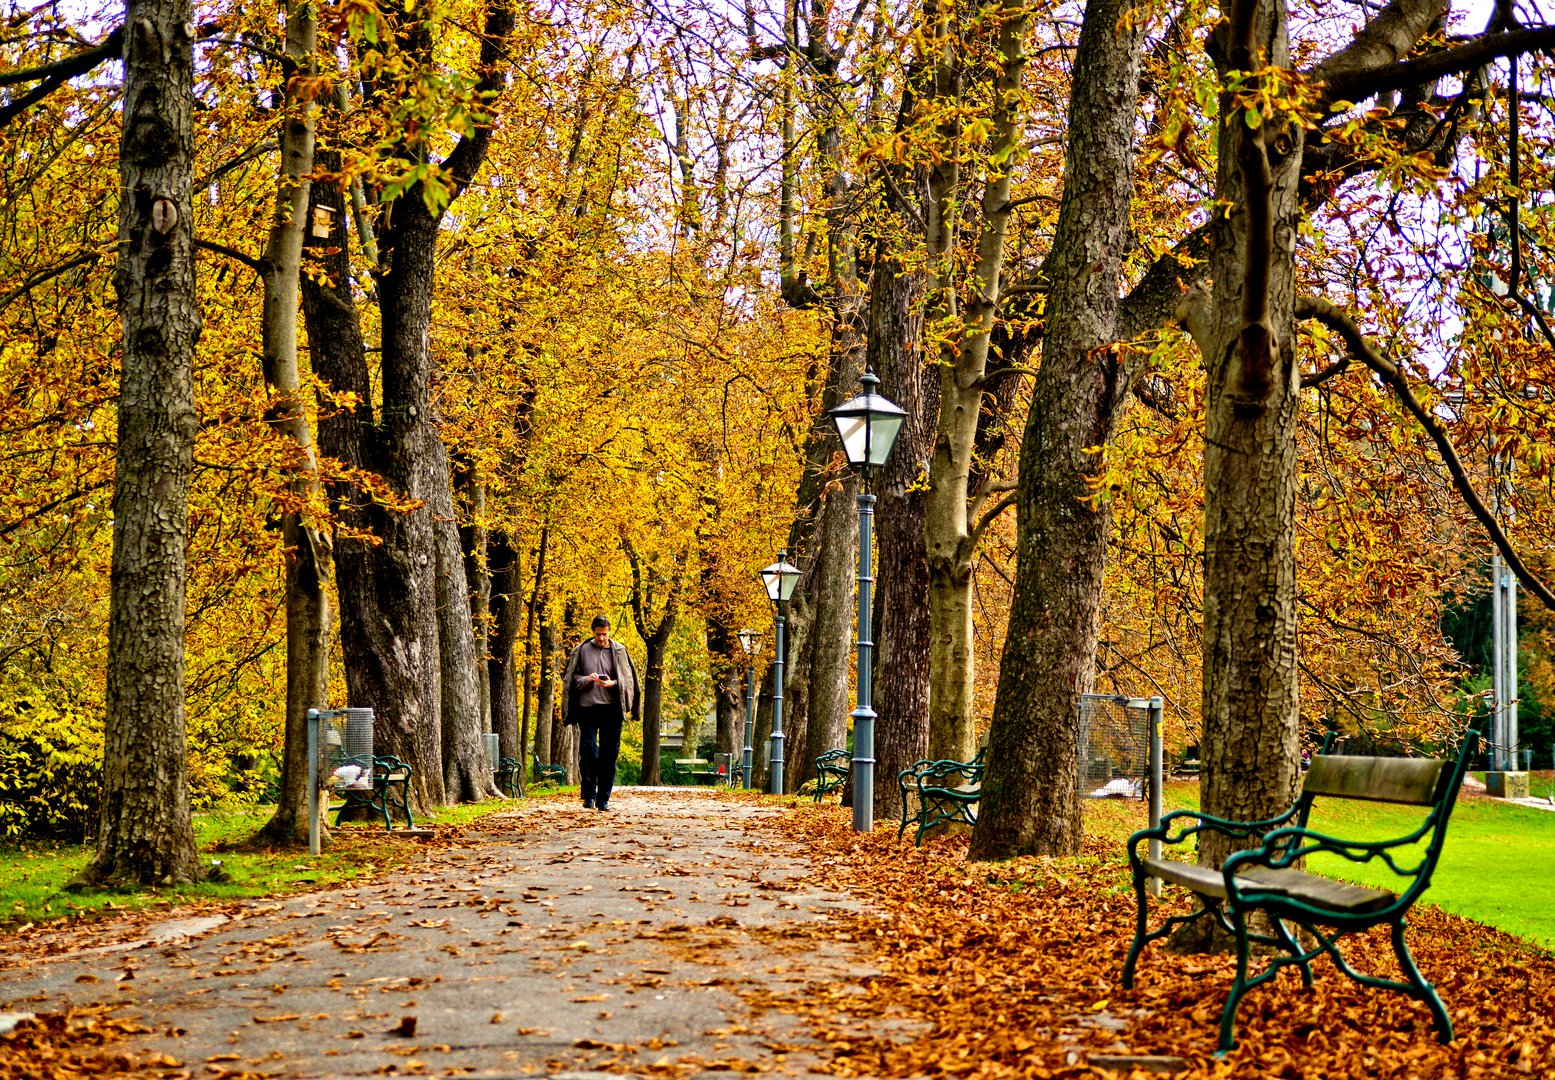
1012,970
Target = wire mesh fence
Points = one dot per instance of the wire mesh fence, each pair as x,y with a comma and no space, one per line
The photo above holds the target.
1114,747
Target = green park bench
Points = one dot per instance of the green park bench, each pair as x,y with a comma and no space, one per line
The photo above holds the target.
509,777
390,791
940,792
1265,877
832,770
549,774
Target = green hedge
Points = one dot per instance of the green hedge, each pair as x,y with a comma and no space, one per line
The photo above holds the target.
50,772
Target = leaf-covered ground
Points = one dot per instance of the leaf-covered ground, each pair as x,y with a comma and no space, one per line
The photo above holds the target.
697,934
1014,967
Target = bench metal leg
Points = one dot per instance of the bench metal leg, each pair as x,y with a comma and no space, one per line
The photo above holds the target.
1238,987
1299,955
1422,989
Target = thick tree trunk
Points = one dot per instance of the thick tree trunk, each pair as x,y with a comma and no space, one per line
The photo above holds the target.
831,633
545,695
902,571
507,611
475,541
950,532
653,705
390,665
145,834
564,741
309,562
1251,696
1030,802
467,776
410,454
728,685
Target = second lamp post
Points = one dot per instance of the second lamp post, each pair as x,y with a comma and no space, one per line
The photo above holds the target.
750,641
780,579
868,426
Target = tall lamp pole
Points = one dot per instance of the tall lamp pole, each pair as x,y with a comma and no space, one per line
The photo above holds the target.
750,641
780,579
868,426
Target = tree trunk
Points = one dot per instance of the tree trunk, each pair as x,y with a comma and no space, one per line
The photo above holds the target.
309,562
901,676
467,776
831,633
545,696
507,610
145,833
1030,801
390,666
564,742
1251,696
475,541
728,684
950,532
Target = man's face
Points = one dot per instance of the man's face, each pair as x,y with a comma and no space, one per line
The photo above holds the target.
601,636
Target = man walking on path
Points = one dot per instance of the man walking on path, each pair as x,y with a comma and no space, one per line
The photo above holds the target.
601,695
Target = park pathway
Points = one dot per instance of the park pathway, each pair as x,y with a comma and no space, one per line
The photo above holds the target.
548,941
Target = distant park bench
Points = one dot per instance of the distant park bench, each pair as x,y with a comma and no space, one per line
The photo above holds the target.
696,770
1264,878
832,770
549,774
390,790
509,777
940,792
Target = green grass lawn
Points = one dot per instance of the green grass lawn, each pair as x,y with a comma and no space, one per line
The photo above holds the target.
1497,867
33,876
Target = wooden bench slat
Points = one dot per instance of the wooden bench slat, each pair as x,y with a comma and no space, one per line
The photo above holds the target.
1412,781
1313,889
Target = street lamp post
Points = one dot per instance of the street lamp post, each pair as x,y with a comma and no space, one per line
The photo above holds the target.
780,579
868,426
750,641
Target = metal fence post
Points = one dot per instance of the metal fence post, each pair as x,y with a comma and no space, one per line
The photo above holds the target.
1157,778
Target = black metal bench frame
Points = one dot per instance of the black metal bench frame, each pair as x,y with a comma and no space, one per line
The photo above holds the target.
832,770
549,774
509,777
390,791
1264,877
947,791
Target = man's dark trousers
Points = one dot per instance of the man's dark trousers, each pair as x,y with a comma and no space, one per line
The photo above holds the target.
600,728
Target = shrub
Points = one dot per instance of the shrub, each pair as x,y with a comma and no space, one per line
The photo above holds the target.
50,771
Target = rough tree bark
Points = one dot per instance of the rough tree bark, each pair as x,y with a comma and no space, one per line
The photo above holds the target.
390,665
475,540
901,676
1030,801
1246,333
950,532
423,541
545,694
507,610
467,775
145,835
723,652
309,561
646,583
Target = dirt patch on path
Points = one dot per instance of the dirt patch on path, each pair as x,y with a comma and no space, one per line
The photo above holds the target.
544,941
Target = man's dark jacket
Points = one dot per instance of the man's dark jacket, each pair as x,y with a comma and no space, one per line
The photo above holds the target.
626,682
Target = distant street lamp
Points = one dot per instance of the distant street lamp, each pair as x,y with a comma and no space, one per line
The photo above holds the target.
868,426
780,579
750,641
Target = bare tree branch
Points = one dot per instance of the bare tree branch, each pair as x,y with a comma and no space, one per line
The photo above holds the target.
1309,307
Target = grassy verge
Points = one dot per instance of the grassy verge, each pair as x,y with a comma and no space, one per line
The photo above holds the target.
33,877
1496,865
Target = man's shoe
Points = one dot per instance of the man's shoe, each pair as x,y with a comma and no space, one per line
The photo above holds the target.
603,807
588,804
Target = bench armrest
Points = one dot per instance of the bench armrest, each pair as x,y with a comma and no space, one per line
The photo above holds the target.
1282,847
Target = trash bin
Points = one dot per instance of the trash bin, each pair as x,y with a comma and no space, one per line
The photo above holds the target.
493,751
